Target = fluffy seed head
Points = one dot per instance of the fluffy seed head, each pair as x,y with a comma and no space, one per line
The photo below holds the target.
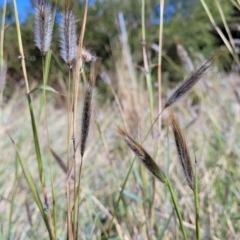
86,117
68,37
87,56
43,25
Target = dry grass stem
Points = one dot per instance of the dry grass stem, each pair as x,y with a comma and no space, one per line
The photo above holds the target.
182,150
43,25
189,83
3,73
141,153
86,116
59,161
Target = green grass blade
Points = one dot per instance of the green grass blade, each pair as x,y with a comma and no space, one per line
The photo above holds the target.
33,189
120,196
46,88
45,79
197,219
165,227
36,142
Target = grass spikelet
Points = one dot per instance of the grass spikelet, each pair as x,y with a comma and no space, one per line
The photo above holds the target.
185,59
87,56
182,150
68,37
43,25
189,82
86,116
141,153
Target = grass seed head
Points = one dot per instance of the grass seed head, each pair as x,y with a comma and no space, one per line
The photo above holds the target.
86,116
68,37
182,150
191,80
142,154
43,25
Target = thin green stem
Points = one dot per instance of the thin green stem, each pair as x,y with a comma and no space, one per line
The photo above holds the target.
146,65
160,64
174,200
69,224
2,33
120,196
196,204
21,46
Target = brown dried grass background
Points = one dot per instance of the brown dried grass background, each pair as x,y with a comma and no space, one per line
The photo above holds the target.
210,126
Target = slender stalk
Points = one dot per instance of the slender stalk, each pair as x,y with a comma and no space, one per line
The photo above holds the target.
220,33
69,110
145,60
120,196
160,64
46,69
2,33
76,86
2,64
197,219
227,29
78,66
21,46
174,200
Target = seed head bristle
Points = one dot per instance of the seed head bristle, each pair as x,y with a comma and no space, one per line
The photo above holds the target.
191,80
86,116
43,25
87,56
142,154
68,37
182,150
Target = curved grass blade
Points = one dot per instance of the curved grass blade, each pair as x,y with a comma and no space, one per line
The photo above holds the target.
33,189
36,142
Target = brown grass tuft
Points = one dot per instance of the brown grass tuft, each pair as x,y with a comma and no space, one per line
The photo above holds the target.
182,150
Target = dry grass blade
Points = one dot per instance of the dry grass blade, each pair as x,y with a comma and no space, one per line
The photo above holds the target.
182,150
59,160
141,153
43,25
86,116
189,82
